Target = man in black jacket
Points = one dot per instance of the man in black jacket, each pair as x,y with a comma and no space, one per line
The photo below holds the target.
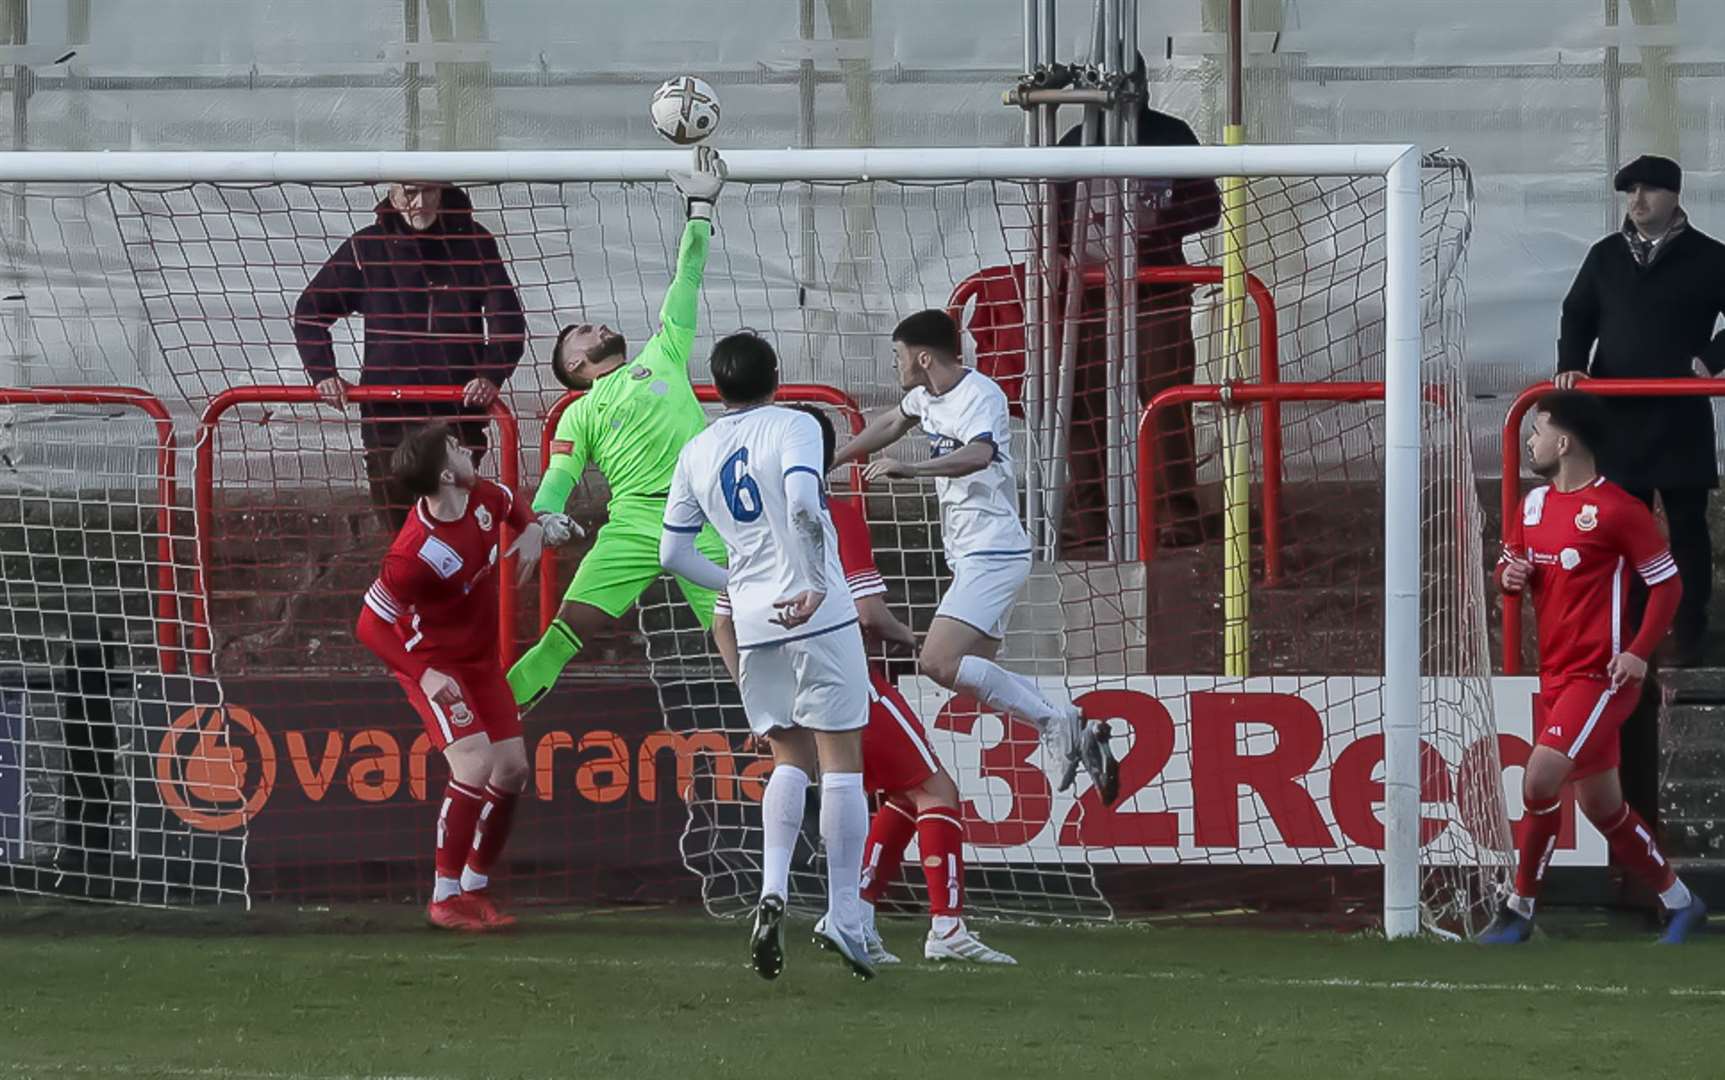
439,309
1168,212
1644,306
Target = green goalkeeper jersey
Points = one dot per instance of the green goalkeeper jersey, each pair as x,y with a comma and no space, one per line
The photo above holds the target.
636,419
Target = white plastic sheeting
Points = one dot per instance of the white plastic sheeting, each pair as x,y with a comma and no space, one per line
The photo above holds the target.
1519,88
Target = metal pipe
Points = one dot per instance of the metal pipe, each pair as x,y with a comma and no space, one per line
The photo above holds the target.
1027,98
1113,296
1032,304
1048,314
1129,402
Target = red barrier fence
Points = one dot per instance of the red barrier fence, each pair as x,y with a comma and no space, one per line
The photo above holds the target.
203,478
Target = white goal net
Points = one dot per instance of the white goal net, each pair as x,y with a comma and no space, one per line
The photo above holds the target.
1259,788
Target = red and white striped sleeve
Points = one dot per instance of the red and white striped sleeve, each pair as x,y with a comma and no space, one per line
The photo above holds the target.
1644,543
395,591
856,550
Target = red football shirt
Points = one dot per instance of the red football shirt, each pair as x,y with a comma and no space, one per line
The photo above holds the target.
1583,545
438,586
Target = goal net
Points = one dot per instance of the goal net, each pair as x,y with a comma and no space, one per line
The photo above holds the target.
1254,775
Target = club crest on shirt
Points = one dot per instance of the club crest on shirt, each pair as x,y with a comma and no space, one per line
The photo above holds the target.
1588,519
460,715
483,516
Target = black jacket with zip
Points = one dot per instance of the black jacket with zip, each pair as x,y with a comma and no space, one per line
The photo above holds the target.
1623,320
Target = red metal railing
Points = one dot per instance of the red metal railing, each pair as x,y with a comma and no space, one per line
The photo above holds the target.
813,393
1269,366
167,605
1244,394
203,479
1512,448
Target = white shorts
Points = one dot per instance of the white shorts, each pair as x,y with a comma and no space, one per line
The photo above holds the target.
820,683
983,590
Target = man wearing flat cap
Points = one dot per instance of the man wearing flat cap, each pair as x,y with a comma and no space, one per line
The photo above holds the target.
1644,306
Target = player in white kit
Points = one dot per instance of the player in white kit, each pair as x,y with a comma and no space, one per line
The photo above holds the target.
757,473
964,414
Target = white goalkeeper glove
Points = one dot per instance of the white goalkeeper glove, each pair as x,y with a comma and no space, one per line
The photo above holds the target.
559,529
701,186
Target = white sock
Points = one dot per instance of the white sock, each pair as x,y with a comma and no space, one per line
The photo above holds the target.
1521,905
472,880
444,888
844,830
781,822
1676,897
1004,692
867,911
946,924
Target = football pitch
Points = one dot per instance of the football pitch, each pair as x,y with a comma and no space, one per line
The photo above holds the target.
365,992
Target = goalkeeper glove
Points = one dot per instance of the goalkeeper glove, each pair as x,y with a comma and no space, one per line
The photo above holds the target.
701,186
559,529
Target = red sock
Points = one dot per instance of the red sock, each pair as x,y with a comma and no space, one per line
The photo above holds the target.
455,823
1634,848
1539,827
493,831
940,836
883,854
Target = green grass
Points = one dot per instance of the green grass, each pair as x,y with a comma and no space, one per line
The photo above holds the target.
367,993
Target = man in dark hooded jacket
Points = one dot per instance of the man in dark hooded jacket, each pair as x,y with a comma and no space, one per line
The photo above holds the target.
1168,212
439,309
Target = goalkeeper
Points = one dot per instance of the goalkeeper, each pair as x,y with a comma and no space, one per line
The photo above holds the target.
632,422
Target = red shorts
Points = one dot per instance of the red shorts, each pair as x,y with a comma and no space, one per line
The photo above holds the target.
1580,717
487,705
895,750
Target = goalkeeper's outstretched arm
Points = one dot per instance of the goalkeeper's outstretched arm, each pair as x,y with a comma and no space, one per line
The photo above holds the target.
700,189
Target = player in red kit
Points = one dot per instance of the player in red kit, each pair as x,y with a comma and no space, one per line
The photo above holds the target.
920,798
431,615
1573,547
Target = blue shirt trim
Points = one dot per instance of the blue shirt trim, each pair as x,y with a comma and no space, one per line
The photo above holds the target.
689,529
802,468
796,637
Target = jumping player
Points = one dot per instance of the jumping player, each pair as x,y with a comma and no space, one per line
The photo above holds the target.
431,615
756,475
965,416
1573,547
920,798
634,418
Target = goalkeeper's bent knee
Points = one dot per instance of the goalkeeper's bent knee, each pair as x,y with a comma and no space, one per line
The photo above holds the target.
536,672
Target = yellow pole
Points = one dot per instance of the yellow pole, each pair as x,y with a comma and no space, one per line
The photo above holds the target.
1236,433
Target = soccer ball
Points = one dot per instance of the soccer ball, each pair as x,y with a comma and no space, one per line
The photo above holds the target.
685,110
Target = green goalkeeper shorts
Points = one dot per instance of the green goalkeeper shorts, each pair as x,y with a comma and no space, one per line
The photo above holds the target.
624,561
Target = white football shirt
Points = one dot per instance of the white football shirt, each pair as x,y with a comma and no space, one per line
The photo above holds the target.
979,512
733,475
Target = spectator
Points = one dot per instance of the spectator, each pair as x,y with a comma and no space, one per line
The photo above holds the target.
1168,212
1644,306
439,309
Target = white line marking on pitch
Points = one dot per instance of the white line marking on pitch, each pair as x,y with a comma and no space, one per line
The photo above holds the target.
135,1068
1311,983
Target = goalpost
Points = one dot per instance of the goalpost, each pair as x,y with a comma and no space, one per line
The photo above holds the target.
178,271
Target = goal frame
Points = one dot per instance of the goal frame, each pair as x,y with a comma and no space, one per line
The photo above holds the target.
1397,164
